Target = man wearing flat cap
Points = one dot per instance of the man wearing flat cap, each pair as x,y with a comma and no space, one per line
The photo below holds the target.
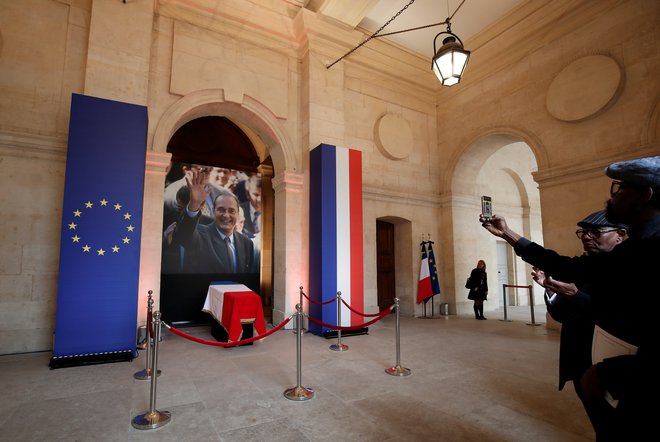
569,303
624,297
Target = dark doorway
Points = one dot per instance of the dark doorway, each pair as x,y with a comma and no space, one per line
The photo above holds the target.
385,264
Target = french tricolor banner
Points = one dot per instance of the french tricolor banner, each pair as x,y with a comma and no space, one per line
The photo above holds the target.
335,236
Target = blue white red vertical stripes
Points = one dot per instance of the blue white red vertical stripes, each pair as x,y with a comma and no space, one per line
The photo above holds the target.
336,234
424,288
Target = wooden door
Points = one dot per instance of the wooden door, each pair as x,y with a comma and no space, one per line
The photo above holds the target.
385,264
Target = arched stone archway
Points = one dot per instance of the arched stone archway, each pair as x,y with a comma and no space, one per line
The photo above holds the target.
259,121
498,164
269,138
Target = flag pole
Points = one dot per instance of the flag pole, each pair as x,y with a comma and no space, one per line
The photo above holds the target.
432,296
422,244
433,270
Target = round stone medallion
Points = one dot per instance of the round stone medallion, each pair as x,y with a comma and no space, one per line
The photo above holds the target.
393,136
584,88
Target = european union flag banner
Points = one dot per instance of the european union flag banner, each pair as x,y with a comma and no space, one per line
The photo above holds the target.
433,272
336,235
101,224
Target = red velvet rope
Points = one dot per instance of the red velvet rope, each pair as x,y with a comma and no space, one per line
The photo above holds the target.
365,315
381,315
316,302
226,344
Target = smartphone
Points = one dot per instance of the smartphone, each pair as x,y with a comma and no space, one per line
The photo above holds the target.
487,208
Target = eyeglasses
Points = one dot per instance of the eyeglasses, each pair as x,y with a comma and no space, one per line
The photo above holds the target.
594,233
616,187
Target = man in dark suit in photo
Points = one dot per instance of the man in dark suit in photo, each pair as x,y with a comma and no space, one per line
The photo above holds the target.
216,247
252,207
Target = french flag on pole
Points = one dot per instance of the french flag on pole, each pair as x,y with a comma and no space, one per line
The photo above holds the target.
429,284
424,289
335,235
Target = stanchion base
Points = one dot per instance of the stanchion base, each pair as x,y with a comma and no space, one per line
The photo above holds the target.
151,420
533,323
338,347
398,371
298,393
144,374
506,320
333,334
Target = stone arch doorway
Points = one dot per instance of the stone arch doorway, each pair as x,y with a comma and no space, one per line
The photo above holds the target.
393,263
269,140
498,165
223,148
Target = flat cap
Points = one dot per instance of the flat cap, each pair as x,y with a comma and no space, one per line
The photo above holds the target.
599,219
643,171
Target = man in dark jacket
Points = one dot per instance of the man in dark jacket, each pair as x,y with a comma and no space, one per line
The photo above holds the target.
216,247
598,235
623,300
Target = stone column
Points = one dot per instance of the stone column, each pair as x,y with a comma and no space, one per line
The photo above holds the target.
290,260
267,204
151,242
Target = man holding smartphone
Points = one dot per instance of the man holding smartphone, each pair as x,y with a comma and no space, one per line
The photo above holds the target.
568,306
625,292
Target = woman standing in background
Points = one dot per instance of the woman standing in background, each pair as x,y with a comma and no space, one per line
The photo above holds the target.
478,285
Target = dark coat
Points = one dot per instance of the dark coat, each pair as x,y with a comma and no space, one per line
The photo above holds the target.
577,330
249,227
205,252
623,302
478,285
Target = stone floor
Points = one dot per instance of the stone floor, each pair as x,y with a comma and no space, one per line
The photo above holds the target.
470,380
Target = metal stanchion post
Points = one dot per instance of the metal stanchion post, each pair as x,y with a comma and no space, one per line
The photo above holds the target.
504,301
339,346
303,329
531,305
153,418
145,374
299,393
143,345
397,370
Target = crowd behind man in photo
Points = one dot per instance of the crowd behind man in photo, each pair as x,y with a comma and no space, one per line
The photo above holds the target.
199,213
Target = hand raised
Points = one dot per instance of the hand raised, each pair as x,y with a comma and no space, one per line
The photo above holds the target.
560,287
539,276
197,183
496,225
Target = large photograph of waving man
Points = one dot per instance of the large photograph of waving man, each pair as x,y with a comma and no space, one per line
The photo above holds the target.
211,220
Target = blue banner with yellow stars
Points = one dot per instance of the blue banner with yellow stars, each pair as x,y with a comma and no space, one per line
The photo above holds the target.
101,224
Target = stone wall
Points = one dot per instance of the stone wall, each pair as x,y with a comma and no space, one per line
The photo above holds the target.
428,152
